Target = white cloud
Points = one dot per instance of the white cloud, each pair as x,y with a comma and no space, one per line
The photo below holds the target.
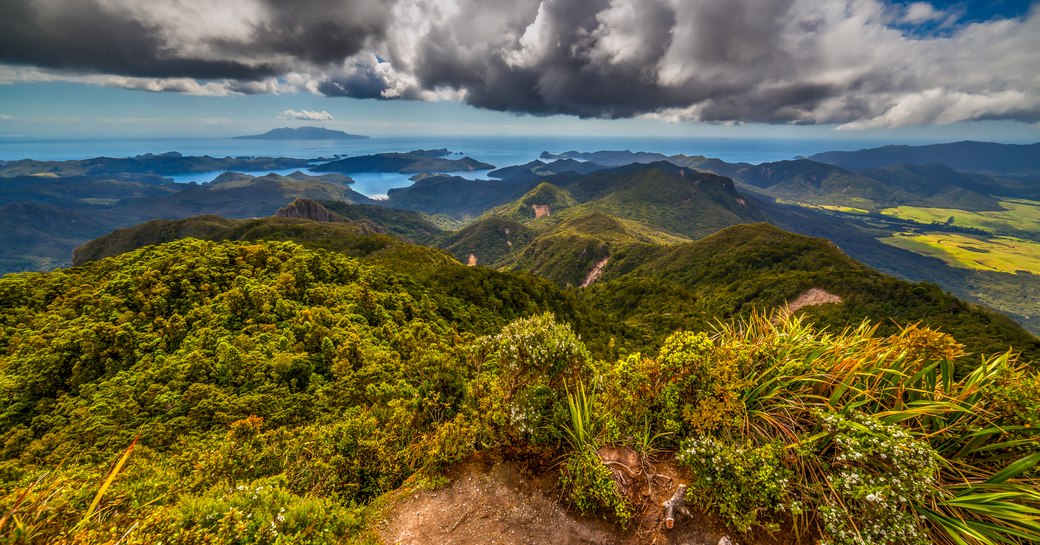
5,117
305,115
847,62
921,12
941,107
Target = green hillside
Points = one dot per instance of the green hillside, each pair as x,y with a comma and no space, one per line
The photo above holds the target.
569,249
352,238
412,226
488,240
678,200
757,266
216,392
544,200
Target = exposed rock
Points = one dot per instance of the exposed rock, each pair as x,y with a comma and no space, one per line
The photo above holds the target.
541,210
308,209
814,296
595,273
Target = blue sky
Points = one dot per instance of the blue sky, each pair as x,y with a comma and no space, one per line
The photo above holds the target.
862,69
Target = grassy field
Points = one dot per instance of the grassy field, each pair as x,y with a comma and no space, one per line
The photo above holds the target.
829,207
1000,254
1018,215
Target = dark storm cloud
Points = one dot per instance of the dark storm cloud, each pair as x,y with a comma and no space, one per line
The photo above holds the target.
359,80
82,37
564,78
93,36
321,31
571,60
774,61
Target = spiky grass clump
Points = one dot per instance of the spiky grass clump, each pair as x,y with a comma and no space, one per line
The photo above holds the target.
589,483
886,439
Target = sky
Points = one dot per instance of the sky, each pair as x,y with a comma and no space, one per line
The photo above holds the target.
937,71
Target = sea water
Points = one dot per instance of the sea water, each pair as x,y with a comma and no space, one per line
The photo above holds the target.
500,151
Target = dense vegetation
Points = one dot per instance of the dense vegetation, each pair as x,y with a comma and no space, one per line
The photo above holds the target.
282,380
746,267
259,379
201,392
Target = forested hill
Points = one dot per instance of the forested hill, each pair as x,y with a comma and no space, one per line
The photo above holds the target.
967,156
270,393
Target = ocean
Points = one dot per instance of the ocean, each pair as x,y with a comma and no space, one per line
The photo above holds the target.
497,150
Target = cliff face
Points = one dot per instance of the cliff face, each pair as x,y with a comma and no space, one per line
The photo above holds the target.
308,209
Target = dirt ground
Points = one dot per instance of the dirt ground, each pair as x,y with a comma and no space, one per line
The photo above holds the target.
814,296
491,501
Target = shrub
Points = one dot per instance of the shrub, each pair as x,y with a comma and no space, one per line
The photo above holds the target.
590,486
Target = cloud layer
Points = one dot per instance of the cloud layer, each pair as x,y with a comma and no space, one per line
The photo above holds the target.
305,115
855,63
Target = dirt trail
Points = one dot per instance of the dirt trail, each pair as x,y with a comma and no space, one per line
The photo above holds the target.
493,501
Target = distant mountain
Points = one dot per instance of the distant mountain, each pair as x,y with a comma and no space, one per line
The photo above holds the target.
539,169
243,196
608,157
454,196
411,162
808,181
43,218
983,157
941,185
614,158
680,201
302,133
568,232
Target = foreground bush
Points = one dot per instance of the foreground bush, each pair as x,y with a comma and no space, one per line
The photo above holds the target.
852,437
275,394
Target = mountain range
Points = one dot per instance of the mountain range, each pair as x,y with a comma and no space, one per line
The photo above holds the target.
526,213
609,348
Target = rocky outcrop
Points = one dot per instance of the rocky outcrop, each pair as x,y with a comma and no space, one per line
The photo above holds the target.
308,209
541,210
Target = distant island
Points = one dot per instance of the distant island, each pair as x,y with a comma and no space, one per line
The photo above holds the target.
302,133
431,160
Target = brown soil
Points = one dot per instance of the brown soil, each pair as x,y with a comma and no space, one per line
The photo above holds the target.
814,296
541,210
496,501
595,273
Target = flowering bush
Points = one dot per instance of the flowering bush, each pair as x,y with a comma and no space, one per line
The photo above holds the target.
739,481
878,474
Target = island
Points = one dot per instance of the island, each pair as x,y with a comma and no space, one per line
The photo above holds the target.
435,160
302,133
